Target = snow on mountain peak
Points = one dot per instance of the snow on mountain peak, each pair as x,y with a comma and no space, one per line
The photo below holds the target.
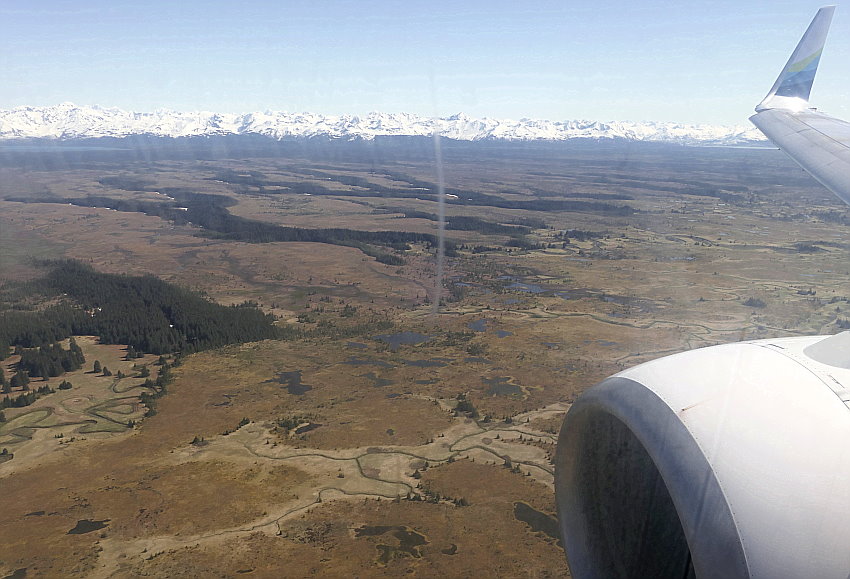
68,121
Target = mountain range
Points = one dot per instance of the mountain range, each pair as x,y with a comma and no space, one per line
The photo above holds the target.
68,122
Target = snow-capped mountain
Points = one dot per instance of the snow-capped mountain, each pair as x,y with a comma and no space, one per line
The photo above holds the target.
68,121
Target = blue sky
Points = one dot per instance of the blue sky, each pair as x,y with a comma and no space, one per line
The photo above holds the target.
690,62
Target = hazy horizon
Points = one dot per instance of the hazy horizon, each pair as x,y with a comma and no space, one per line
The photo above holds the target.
606,61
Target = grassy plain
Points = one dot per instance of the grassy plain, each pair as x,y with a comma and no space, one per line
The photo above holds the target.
353,460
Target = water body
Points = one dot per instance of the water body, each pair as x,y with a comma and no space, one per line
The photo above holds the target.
481,326
402,338
538,521
408,539
531,288
552,345
227,398
605,343
307,428
478,325
292,381
476,360
87,526
623,301
501,386
392,395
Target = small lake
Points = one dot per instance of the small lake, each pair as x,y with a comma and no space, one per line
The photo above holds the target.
402,338
531,288
605,343
478,325
292,381
87,526
409,541
538,521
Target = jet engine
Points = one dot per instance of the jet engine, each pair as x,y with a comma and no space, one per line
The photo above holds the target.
728,461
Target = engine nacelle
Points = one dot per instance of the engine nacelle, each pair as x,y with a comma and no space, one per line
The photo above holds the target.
729,461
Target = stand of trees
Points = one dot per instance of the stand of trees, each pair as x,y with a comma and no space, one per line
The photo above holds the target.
50,361
464,222
33,329
26,398
421,189
210,212
144,312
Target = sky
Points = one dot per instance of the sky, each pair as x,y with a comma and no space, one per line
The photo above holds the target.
689,62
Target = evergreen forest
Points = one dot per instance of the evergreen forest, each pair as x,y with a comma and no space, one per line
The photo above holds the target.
144,312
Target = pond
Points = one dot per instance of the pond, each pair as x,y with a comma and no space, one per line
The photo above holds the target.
292,381
408,539
87,526
307,428
402,338
538,521
478,325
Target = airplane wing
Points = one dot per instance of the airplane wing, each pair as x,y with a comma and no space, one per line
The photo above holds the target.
819,143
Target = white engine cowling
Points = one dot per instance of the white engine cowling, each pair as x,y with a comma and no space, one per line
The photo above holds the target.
728,461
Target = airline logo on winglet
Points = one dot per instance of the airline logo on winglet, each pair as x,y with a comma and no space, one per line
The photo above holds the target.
791,90
800,77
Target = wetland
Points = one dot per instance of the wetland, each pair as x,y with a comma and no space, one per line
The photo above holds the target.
365,430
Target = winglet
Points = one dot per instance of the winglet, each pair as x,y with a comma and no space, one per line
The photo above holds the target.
791,90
